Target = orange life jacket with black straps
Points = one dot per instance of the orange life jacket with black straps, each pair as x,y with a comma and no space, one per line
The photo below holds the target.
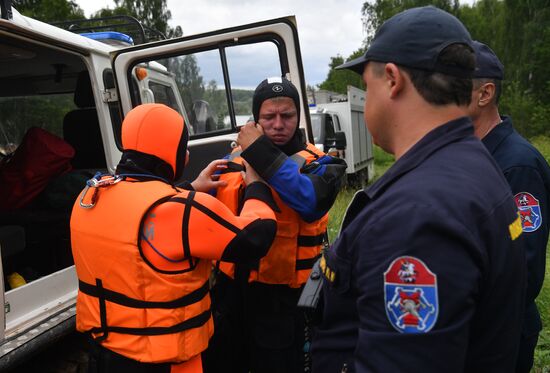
297,243
129,307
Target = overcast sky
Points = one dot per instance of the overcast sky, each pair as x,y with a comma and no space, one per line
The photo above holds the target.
325,27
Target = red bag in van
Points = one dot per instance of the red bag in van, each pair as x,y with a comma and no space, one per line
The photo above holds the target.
40,156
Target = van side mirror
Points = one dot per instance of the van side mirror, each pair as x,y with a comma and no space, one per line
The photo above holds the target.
338,141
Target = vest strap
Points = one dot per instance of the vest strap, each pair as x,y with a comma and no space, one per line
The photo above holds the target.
185,230
190,201
315,155
302,264
311,240
193,322
102,311
103,294
232,167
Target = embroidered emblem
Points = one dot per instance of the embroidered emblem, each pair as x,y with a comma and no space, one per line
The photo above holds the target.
410,295
529,211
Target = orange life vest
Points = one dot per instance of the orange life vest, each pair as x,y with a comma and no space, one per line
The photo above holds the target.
297,244
130,308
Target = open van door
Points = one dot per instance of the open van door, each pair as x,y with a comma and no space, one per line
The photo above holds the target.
215,74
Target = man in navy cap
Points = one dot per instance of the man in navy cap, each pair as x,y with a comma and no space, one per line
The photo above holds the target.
428,272
258,325
528,174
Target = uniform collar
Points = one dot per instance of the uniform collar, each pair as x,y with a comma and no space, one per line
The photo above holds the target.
498,134
437,138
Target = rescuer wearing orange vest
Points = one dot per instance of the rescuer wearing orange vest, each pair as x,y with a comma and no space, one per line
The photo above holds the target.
143,249
258,326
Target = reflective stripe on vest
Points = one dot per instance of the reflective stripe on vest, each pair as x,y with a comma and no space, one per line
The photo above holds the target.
133,309
297,244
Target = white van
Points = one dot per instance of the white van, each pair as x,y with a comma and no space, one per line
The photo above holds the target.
79,89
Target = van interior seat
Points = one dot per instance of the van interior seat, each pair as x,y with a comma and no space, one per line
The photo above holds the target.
81,127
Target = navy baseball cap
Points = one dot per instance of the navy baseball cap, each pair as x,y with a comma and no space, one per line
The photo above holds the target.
415,38
487,63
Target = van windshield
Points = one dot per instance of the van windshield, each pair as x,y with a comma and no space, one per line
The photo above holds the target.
316,126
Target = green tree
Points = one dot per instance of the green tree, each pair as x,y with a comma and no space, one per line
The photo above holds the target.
153,15
517,30
242,101
218,103
338,80
376,12
519,33
189,80
49,10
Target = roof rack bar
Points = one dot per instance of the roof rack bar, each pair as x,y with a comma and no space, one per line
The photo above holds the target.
87,25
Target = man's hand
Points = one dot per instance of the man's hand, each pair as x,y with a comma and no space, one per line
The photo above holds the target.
207,180
248,134
250,175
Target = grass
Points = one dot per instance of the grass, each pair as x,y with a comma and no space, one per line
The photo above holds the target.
382,162
542,352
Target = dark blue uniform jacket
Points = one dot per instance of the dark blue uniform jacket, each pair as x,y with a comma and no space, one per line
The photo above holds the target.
527,172
428,274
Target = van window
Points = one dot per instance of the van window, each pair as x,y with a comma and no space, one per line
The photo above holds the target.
202,88
43,166
214,86
316,126
18,114
248,65
164,94
329,127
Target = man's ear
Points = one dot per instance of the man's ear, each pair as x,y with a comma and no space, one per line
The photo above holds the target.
394,79
486,94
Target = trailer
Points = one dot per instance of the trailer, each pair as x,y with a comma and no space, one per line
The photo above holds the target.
334,121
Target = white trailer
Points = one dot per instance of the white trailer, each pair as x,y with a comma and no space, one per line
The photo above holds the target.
330,118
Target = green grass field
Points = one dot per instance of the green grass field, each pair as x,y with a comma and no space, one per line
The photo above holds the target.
382,162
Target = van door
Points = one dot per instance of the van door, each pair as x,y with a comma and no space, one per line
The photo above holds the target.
215,74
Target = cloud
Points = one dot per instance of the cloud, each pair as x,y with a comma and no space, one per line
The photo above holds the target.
325,27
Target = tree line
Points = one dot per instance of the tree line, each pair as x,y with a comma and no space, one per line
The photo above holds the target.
517,30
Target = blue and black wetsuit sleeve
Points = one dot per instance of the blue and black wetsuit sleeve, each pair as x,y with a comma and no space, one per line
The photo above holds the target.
310,191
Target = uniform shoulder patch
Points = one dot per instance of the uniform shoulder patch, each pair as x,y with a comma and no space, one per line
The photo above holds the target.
410,295
529,211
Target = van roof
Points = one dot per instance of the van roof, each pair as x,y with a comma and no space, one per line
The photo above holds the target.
58,34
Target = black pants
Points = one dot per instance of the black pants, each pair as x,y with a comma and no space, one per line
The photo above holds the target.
103,360
526,353
257,328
